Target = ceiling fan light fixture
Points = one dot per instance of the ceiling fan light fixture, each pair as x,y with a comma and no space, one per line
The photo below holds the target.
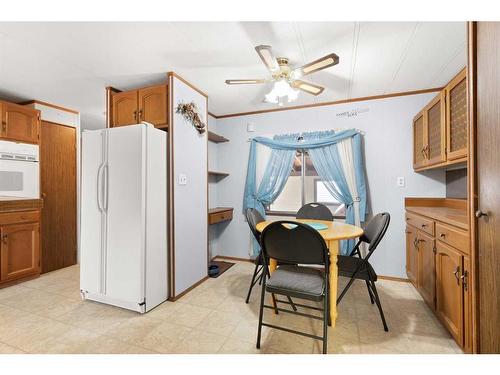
281,92
318,66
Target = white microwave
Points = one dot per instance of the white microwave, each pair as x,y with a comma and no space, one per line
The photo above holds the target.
19,170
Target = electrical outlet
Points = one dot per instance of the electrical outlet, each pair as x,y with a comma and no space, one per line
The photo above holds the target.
401,181
183,180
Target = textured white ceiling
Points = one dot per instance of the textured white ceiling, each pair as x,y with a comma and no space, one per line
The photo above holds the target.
70,64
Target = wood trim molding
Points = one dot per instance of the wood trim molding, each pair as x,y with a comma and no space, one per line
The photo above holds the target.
344,101
211,114
232,258
175,298
173,74
392,278
170,192
472,188
49,105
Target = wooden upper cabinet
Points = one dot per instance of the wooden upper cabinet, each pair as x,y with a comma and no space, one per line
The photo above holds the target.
153,105
148,104
449,294
19,123
435,147
411,255
426,268
124,108
419,143
456,112
20,251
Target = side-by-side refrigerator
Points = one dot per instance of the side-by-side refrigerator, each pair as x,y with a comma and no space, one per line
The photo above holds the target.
123,259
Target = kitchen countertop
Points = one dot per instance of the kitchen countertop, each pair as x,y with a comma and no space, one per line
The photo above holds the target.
9,204
449,211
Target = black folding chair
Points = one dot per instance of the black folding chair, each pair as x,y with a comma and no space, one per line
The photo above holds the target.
356,267
253,218
316,211
293,243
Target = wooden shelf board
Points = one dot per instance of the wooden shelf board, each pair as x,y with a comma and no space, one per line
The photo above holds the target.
218,174
216,138
219,209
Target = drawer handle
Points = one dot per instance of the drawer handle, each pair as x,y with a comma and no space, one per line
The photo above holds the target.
4,238
442,235
457,270
424,225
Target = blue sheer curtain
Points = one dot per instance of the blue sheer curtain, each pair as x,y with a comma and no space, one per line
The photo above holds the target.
322,148
327,162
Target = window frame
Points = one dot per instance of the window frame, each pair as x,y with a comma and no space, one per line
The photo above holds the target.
270,212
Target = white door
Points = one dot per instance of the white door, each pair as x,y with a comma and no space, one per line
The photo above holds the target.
92,221
125,202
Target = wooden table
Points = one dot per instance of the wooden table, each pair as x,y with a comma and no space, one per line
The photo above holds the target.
332,235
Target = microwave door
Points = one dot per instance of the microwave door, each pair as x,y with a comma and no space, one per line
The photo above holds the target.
19,178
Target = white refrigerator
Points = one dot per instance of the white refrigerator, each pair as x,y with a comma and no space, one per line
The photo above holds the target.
123,260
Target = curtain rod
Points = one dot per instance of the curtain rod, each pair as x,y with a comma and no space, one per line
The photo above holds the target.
358,130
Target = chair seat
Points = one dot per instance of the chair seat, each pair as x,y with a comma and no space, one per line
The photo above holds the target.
347,265
296,281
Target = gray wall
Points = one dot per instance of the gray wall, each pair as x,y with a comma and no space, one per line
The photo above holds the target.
456,183
386,124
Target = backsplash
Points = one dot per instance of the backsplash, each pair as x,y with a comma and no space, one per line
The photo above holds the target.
456,183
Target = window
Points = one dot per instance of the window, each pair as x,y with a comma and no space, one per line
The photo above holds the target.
304,186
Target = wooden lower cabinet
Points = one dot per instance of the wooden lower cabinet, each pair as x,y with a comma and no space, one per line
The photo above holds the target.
449,290
426,268
411,255
441,274
19,249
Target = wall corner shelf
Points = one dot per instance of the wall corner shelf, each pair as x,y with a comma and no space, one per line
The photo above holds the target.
216,138
217,174
220,214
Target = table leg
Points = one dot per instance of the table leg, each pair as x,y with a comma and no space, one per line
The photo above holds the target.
273,264
333,246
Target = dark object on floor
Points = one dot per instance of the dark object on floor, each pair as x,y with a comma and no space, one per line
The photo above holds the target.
221,267
358,268
213,270
299,244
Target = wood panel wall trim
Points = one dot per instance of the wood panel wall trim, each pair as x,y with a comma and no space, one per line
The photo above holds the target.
173,74
170,188
238,259
472,179
65,109
460,204
322,104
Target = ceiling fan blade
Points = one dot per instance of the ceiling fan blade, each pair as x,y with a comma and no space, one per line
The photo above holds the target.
320,64
308,87
244,81
267,57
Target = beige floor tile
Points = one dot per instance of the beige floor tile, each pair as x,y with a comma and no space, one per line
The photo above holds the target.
189,315
30,339
63,306
247,331
200,342
289,343
164,311
11,291
234,346
164,338
7,349
109,345
219,322
74,341
134,329
32,301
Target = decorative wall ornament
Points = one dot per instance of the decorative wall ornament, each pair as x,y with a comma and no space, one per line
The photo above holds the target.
353,112
190,112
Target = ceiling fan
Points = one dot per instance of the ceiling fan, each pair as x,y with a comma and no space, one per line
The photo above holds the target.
287,82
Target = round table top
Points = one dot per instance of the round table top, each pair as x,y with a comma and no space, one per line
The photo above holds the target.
335,230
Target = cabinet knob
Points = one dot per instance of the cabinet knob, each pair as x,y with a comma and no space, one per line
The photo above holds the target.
480,214
442,235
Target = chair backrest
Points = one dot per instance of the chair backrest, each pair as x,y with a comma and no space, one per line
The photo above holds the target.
315,211
375,230
293,242
253,218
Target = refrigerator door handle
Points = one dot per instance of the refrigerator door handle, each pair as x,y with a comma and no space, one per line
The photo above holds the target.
106,188
99,187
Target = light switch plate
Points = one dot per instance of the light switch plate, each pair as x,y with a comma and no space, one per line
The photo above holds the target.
183,180
401,181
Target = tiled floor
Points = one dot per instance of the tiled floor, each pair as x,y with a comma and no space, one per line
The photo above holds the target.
46,315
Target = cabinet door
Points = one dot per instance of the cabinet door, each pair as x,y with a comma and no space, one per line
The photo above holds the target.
419,144
435,113
19,251
124,109
153,105
19,123
426,268
468,324
411,255
449,294
456,129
